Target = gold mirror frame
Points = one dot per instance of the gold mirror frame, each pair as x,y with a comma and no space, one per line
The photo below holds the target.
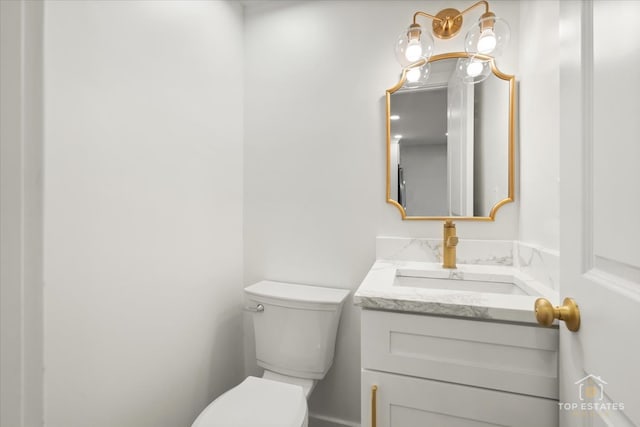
511,147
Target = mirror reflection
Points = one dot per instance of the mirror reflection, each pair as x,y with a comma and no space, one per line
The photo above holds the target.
450,142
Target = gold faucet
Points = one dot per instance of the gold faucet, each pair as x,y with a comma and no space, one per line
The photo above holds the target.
449,245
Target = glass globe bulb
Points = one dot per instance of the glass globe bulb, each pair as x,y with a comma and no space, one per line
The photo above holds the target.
417,76
487,41
413,51
413,75
474,68
488,36
412,45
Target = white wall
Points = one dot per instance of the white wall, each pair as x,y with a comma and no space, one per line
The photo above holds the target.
539,140
315,153
143,210
21,329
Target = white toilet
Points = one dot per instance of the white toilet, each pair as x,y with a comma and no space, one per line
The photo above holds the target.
295,333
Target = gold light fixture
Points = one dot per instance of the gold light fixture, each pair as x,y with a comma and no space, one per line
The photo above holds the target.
487,36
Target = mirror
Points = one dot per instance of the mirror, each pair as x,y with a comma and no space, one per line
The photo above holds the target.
450,144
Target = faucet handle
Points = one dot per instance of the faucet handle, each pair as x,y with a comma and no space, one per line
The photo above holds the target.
452,241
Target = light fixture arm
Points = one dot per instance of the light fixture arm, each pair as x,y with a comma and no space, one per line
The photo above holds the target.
435,18
448,22
426,15
473,6
487,37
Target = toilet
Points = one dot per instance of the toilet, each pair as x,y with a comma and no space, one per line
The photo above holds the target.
295,335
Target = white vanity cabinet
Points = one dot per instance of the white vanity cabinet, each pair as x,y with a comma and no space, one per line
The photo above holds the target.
450,372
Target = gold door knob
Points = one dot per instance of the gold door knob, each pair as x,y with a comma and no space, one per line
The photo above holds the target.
568,312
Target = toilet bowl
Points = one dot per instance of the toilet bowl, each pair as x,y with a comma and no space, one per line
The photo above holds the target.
295,332
257,402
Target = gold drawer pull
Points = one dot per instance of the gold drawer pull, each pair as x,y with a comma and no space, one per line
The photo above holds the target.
374,391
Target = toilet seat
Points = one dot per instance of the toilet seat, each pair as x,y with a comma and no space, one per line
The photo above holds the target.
257,402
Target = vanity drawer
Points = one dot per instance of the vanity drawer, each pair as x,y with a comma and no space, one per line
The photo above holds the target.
500,356
410,402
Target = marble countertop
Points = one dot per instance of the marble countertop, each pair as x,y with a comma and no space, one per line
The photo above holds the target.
378,291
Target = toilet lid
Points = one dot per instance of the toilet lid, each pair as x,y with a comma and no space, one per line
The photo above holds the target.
256,402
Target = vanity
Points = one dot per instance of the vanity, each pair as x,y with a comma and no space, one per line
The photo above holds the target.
456,347
450,340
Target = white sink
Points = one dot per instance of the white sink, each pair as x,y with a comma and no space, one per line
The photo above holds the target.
496,285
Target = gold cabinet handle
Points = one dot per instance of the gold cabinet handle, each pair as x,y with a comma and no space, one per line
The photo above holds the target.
568,312
374,412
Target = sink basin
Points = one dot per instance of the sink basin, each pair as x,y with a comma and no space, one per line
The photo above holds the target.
496,292
499,286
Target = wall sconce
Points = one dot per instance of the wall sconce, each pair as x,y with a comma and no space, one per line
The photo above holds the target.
486,38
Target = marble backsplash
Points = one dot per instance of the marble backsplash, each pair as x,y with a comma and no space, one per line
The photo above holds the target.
486,252
539,263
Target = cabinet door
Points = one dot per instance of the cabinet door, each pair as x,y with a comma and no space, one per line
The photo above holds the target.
403,401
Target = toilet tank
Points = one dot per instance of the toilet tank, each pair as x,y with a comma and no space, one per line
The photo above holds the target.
295,334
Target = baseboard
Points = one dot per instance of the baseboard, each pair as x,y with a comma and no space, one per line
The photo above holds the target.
317,420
